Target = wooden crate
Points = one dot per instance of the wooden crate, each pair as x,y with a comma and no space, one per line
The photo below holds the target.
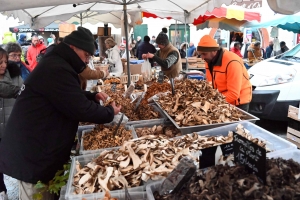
293,130
66,29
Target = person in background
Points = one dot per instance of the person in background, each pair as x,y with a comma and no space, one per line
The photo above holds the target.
41,39
42,126
10,84
138,42
14,52
60,39
191,50
132,46
51,47
283,48
8,37
153,42
113,56
237,49
226,72
33,51
233,41
22,39
182,50
168,56
122,50
145,47
50,41
254,52
53,37
269,49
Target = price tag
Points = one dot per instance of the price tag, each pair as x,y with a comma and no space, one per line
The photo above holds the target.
160,77
113,87
249,154
210,156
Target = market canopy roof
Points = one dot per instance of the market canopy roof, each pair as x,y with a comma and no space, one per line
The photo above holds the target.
287,7
229,18
40,13
286,22
53,27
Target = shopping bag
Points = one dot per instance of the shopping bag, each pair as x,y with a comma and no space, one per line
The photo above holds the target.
146,71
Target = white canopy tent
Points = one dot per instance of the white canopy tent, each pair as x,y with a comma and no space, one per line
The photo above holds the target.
40,13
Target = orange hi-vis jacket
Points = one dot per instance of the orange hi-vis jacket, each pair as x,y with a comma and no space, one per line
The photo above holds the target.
230,77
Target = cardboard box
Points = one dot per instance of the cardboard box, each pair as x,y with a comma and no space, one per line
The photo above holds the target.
293,131
134,69
66,29
101,31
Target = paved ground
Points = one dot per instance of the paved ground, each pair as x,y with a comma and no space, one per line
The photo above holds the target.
278,128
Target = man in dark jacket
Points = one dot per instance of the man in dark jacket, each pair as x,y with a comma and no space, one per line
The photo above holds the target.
144,48
41,129
269,49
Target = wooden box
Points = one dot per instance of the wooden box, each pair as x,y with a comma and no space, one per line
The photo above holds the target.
293,130
134,69
66,29
101,31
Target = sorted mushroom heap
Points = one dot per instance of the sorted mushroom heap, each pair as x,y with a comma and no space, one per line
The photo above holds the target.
102,137
224,182
150,157
144,112
112,80
197,103
246,133
155,88
169,131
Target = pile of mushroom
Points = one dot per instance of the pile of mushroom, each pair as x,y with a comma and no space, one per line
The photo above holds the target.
197,103
246,133
150,157
102,137
154,89
144,112
224,182
169,131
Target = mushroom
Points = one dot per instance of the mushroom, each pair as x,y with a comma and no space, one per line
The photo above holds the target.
135,159
103,183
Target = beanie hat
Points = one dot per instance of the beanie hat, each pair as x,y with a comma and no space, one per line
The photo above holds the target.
82,38
207,44
110,42
162,37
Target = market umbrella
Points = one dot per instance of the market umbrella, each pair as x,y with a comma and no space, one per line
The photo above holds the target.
40,13
229,18
286,22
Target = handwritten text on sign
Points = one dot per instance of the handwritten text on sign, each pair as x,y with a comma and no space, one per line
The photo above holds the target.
249,154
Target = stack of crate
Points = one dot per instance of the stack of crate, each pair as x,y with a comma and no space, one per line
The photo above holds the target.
293,130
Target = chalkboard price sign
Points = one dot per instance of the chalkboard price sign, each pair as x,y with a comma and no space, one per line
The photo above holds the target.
210,156
249,154
160,77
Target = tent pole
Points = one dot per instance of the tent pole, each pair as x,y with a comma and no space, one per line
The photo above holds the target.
80,19
126,36
175,35
187,64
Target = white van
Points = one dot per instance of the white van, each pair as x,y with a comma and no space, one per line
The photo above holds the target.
277,85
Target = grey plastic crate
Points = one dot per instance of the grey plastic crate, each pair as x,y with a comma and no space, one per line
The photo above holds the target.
136,192
151,188
274,142
85,152
151,124
288,154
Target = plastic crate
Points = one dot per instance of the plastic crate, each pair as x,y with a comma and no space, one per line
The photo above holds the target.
134,78
198,77
274,142
151,188
289,154
135,193
85,152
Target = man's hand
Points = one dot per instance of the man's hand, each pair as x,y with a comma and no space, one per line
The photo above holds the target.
150,55
144,56
101,96
117,109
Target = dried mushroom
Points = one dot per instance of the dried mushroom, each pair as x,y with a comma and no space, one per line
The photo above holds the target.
169,131
112,80
102,137
224,182
154,89
197,103
85,123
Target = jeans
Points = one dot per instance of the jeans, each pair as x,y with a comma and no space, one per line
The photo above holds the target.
244,107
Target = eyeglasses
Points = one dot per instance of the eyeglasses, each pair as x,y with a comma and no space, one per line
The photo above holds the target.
15,55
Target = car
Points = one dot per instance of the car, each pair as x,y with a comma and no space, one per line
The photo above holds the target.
276,84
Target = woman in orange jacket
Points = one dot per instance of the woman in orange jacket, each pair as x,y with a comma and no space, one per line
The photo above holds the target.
226,72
